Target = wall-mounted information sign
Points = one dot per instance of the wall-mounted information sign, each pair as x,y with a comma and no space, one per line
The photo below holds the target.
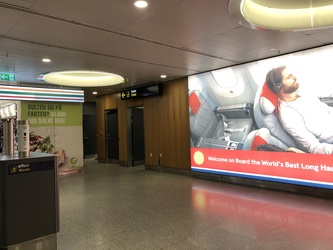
149,90
7,77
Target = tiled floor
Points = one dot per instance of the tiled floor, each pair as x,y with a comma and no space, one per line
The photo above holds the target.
112,207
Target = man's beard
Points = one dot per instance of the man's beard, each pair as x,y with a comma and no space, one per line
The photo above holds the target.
290,89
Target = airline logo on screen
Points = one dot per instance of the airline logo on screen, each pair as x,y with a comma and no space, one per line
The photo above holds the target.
302,169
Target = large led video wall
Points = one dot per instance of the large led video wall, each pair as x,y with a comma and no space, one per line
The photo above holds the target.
238,124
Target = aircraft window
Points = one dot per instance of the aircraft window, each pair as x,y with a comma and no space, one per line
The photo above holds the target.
225,78
194,83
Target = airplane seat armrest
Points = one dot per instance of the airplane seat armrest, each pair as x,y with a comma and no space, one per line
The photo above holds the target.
235,111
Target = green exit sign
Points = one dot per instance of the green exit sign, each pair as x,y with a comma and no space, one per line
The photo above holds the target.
7,77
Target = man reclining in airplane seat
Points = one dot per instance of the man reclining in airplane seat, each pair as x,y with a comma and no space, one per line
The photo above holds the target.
306,118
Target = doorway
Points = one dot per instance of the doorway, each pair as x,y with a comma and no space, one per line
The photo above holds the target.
112,138
89,136
136,137
89,130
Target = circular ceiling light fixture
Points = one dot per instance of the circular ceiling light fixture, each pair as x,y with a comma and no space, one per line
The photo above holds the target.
81,78
282,14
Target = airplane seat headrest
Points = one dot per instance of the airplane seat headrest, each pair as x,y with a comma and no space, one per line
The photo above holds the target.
268,100
194,102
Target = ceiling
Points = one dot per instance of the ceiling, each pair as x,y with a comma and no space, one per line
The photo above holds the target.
172,37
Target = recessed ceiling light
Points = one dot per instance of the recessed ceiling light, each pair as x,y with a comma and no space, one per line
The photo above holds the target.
94,93
163,76
81,78
141,4
46,60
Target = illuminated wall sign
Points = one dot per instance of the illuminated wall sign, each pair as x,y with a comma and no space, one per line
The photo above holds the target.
144,91
133,92
7,77
301,169
241,157
40,94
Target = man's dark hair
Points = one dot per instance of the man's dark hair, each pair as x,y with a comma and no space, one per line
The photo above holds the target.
274,79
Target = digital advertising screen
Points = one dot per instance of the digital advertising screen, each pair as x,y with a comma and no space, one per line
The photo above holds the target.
269,120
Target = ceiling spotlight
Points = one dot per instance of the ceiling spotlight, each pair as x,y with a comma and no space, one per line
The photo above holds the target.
94,93
46,60
81,78
141,4
163,76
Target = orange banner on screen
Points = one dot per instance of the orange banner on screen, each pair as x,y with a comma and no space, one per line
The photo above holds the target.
302,169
